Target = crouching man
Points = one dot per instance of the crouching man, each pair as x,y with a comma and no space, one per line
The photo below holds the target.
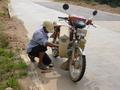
38,45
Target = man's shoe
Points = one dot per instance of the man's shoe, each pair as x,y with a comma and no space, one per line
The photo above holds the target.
32,58
51,65
43,67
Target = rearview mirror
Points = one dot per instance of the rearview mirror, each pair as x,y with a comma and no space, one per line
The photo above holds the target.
95,12
65,6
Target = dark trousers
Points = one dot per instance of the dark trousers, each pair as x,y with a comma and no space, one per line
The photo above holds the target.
35,53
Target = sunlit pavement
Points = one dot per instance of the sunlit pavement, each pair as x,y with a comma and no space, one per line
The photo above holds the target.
102,50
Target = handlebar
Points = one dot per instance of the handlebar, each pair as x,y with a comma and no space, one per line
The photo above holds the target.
89,22
64,18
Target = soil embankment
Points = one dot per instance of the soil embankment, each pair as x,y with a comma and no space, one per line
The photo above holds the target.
13,39
13,28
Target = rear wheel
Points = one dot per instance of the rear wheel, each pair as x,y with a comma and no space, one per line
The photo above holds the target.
77,65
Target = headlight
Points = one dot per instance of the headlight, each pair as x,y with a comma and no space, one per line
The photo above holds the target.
81,32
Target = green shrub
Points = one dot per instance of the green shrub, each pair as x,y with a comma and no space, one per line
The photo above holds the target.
113,3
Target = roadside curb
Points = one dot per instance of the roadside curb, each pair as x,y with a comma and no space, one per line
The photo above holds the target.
33,74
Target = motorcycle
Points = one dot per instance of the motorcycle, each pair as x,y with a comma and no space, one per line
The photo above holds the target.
75,43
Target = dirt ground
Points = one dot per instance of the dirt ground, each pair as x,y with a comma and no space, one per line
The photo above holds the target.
13,29
16,33
102,7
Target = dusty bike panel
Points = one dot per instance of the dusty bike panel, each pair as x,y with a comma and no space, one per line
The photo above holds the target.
63,41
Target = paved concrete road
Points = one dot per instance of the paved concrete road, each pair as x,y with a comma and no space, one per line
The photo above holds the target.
103,65
77,10
102,50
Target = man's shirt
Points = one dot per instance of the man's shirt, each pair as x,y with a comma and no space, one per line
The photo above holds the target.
39,38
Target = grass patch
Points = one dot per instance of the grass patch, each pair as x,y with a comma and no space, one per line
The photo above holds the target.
11,82
10,63
12,67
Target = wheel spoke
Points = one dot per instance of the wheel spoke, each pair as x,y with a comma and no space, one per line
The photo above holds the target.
76,65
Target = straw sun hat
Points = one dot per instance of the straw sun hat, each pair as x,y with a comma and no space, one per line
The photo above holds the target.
49,26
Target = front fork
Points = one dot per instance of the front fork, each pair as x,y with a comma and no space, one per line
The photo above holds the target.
74,51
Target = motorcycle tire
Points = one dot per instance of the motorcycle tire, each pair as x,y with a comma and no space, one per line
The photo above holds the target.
82,71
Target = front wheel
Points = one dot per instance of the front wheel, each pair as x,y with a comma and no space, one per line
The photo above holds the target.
77,65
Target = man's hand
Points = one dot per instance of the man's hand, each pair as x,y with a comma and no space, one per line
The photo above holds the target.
52,45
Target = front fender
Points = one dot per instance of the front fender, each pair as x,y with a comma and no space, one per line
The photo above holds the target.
80,50
69,52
